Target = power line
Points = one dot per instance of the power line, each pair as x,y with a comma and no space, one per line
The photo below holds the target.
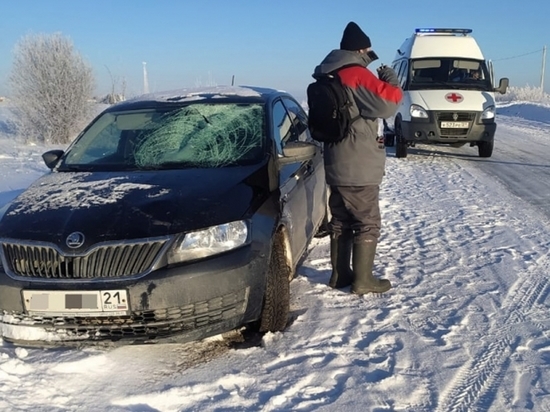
519,55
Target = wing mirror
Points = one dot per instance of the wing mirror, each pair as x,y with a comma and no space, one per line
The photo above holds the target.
503,85
51,157
295,152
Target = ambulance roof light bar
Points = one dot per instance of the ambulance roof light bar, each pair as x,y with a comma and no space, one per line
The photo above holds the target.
441,30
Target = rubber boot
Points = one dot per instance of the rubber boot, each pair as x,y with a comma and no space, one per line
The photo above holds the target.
363,261
340,257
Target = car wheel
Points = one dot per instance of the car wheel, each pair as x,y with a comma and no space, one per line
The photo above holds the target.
485,148
276,305
401,143
389,140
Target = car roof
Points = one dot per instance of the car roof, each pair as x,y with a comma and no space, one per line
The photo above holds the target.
213,94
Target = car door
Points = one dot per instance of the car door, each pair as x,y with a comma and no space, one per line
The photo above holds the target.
315,183
301,184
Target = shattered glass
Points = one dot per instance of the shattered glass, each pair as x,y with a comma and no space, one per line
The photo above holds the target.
198,135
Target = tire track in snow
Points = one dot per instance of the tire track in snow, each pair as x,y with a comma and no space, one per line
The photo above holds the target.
480,378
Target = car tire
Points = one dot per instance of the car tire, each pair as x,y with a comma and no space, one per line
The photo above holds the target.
389,140
276,304
400,142
485,148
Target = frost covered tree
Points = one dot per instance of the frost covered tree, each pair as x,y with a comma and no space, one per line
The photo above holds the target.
51,88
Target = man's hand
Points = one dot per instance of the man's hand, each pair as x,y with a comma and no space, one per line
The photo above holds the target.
387,74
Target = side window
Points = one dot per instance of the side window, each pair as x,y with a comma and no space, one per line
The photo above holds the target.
299,120
282,125
396,66
403,73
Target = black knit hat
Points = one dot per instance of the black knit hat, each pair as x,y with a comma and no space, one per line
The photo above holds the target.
354,38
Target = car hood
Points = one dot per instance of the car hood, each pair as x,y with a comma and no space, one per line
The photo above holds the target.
107,206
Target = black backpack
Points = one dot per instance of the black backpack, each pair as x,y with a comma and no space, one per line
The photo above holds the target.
329,119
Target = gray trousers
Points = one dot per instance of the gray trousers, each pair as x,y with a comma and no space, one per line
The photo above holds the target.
355,208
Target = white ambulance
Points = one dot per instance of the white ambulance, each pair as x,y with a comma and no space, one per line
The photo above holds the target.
448,92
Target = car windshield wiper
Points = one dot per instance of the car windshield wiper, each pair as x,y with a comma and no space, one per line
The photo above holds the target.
76,168
167,165
437,85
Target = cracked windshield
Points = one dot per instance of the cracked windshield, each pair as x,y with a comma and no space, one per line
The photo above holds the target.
193,136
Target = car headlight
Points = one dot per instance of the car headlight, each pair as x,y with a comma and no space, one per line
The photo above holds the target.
488,113
209,241
418,111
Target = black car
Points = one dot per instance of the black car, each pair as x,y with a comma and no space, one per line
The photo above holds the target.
173,216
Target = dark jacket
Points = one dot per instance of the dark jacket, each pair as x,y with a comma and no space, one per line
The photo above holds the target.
359,160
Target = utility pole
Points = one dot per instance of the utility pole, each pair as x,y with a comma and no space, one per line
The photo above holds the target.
145,79
542,73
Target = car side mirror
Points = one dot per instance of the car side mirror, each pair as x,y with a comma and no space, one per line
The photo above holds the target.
51,157
503,85
295,152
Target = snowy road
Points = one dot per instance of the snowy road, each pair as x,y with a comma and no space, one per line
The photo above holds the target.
466,328
520,161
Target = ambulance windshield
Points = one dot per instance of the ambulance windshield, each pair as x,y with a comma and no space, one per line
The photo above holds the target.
449,73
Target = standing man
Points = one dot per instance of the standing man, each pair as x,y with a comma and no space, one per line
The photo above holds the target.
355,166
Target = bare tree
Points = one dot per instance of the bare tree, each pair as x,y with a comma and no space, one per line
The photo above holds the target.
114,96
51,88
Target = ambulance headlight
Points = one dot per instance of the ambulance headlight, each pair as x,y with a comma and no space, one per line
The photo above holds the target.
488,113
418,111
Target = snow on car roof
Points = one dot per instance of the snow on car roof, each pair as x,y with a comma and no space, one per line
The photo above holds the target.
211,92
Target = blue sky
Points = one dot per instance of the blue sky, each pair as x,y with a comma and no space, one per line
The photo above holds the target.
264,43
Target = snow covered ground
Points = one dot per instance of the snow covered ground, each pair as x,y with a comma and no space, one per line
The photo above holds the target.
466,327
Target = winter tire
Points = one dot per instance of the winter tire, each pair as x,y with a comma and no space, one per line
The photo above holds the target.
401,143
485,148
276,305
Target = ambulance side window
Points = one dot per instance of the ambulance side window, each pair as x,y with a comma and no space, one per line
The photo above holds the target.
400,68
396,66
403,73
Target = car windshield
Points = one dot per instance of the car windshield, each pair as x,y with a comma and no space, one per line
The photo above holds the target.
449,73
200,135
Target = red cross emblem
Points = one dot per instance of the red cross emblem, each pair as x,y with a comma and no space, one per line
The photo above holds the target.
454,97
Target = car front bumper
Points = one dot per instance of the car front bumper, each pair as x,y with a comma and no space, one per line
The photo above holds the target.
180,303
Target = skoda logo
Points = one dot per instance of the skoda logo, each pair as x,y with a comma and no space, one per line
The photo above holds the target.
75,240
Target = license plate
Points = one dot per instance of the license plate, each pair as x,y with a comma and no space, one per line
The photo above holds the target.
77,303
455,125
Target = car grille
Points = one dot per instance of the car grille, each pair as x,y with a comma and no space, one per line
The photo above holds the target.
455,117
140,325
107,261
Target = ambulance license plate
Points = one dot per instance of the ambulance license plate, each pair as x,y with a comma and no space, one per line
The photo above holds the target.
455,125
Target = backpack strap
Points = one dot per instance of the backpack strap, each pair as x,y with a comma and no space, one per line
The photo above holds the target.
335,73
